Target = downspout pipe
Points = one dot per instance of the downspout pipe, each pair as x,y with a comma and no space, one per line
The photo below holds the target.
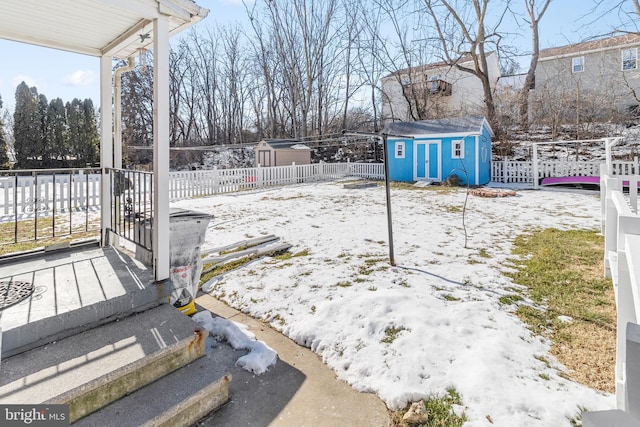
117,111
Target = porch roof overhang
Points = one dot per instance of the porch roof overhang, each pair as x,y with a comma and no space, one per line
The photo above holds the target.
115,28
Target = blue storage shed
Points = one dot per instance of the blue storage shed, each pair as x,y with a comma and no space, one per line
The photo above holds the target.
440,148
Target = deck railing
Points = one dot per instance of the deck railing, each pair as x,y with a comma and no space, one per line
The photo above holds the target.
621,229
132,206
46,203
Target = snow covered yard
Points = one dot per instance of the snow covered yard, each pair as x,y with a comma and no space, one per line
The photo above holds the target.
412,331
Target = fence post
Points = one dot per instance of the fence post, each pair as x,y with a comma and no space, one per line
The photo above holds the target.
258,175
632,373
535,166
216,180
505,173
625,313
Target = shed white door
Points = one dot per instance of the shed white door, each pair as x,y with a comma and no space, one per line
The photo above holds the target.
264,158
427,160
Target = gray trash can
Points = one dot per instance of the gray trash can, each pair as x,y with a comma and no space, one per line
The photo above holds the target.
186,232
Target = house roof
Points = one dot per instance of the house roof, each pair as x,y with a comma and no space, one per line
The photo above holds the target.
452,126
591,46
426,67
286,144
116,28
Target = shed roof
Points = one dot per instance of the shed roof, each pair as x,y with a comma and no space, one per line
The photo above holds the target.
116,28
454,126
286,144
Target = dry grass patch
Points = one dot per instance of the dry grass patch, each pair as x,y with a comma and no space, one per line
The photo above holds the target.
29,237
593,368
563,271
441,189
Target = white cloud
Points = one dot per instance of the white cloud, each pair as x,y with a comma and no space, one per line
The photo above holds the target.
80,78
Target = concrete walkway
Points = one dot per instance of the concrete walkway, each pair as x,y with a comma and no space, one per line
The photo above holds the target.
298,391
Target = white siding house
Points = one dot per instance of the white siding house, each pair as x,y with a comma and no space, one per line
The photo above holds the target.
434,91
597,76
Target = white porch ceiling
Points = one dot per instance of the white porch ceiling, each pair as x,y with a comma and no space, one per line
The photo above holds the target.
93,27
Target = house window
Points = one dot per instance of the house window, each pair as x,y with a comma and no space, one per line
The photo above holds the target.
630,59
577,64
400,150
434,83
457,149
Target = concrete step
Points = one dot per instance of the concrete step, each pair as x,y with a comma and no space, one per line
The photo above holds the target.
75,290
179,399
91,369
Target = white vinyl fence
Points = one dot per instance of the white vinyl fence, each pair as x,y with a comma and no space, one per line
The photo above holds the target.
521,172
23,194
621,228
48,193
200,183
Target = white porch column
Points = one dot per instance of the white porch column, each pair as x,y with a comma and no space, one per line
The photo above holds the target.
161,242
106,143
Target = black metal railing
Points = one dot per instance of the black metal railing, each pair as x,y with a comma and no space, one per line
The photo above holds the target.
37,204
132,206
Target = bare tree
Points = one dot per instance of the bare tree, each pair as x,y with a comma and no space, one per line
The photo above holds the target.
402,55
535,13
464,31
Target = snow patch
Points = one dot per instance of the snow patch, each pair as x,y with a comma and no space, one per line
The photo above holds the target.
260,358
410,331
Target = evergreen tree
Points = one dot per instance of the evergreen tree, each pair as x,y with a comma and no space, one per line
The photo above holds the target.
42,146
75,122
4,157
56,137
43,105
26,126
90,153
